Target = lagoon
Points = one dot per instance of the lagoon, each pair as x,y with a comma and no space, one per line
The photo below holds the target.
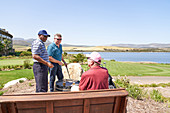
158,57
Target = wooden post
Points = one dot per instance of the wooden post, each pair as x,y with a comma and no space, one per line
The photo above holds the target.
49,107
117,105
0,108
86,106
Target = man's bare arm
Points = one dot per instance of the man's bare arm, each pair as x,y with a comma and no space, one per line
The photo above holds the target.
55,61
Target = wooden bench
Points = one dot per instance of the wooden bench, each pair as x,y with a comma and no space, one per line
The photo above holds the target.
96,101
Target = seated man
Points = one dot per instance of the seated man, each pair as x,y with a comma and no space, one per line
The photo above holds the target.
96,77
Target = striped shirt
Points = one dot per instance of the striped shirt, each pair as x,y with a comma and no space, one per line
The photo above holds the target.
38,47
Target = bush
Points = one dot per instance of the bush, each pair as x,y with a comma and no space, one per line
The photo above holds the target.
1,85
26,53
1,93
17,53
29,50
27,64
113,60
77,58
21,81
157,96
133,90
154,85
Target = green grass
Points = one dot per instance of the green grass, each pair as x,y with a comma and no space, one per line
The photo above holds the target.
135,69
16,61
6,76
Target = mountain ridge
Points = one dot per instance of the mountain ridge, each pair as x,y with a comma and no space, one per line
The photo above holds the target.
28,42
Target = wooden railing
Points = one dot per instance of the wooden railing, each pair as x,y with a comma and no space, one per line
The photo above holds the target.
94,101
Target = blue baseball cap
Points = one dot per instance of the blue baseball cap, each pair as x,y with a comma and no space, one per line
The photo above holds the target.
43,32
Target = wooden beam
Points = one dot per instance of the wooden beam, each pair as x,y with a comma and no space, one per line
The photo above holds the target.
49,107
86,106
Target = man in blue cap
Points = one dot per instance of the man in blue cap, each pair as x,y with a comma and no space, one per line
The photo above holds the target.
41,62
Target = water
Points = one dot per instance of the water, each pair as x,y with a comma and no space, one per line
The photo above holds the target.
159,57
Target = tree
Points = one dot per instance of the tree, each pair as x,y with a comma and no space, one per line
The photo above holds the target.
1,46
6,46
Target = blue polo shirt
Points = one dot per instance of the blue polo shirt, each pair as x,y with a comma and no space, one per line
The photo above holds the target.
54,51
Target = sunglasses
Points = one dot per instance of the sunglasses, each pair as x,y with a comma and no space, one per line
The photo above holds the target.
45,36
57,39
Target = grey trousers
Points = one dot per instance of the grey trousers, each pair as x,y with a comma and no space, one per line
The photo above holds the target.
41,76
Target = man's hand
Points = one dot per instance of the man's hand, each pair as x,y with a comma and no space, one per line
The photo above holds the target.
60,63
50,65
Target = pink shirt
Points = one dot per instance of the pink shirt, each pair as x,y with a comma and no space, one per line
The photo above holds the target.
94,78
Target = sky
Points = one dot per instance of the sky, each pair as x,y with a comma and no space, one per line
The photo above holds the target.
89,22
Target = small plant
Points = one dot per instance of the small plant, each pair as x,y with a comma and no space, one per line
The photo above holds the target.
30,78
30,84
1,93
113,60
134,90
1,85
154,85
26,64
4,67
157,96
9,67
21,81
77,58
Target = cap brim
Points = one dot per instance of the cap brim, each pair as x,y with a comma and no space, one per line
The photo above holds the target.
46,35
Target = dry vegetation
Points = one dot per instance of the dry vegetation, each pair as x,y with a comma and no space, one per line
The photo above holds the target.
95,48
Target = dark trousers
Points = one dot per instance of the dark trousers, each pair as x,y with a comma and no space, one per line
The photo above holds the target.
41,76
56,70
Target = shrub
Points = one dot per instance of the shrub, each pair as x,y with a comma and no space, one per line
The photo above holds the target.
26,64
17,53
65,54
26,53
9,67
1,85
113,60
4,67
1,93
156,95
21,81
133,90
77,58
154,85
30,84
29,78
29,50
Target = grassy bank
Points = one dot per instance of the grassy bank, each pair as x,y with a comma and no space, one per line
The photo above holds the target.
6,76
16,61
135,69
115,68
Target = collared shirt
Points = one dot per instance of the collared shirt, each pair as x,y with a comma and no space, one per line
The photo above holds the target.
94,78
38,47
55,51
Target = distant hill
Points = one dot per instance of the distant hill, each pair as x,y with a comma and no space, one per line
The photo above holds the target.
28,42
152,45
